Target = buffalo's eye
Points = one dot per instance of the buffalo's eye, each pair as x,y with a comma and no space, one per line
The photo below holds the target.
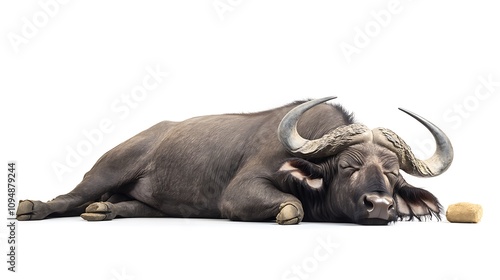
392,174
346,166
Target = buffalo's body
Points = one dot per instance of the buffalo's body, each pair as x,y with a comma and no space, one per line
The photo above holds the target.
228,166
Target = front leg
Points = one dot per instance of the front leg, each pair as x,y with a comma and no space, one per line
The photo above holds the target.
291,213
256,199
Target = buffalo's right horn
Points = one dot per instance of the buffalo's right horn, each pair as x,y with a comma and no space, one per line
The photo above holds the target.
435,165
329,144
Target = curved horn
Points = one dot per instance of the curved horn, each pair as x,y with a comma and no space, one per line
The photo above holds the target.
433,166
328,144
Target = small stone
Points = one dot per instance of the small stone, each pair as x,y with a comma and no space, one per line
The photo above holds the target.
464,212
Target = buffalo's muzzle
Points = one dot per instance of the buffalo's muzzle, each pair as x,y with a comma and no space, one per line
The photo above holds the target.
378,207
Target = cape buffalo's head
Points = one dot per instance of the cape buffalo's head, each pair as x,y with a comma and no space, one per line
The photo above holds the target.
356,170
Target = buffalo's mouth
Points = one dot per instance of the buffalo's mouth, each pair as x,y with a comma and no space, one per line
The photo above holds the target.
374,222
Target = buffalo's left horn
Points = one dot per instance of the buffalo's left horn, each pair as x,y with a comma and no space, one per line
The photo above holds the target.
329,144
433,166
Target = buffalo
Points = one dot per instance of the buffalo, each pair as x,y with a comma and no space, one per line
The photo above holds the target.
306,161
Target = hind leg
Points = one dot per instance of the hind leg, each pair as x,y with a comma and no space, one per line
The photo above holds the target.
134,203
116,169
92,187
119,206
81,209
70,213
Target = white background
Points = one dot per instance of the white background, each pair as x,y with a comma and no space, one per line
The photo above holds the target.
66,67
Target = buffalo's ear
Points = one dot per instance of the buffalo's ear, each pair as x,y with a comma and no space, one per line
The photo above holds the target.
307,172
414,202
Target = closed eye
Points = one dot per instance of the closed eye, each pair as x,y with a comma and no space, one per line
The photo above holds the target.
346,165
349,169
393,174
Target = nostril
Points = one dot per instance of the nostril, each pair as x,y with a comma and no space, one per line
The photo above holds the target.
391,206
368,204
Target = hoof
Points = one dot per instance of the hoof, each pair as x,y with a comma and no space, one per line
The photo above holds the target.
291,213
31,210
99,211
